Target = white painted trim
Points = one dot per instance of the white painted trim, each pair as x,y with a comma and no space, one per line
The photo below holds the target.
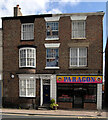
52,67
26,87
26,48
74,17
24,76
52,39
41,92
50,88
50,19
0,77
23,31
52,45
99,96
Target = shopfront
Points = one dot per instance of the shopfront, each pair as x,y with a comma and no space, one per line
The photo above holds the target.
78,91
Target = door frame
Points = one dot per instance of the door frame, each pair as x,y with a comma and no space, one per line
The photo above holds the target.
43,77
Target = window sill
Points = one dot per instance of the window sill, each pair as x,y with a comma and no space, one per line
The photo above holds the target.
52,67
27,96
28,40
27,67
52,39
78,67
78,38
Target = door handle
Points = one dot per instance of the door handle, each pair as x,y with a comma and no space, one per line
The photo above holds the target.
46,95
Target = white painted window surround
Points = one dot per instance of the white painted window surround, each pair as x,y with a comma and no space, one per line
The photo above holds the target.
27,57
52,45
78,57
78,27
50,19
27,31
52,28
27,87
74,17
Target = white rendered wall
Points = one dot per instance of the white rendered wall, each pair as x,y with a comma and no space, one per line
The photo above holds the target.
53,87
99,96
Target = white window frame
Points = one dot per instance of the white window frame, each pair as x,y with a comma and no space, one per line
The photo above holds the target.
78,31
22,32
51,58
26,48
26,88
78,57
52,46
50,29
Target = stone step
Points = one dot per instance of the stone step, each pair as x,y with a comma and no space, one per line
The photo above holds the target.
44,107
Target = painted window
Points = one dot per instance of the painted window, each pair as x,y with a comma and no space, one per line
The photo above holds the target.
27,57
78,57
27,31
52,57
52,29
78,29
27,88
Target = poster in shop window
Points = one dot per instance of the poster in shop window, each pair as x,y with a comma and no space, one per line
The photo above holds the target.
79,79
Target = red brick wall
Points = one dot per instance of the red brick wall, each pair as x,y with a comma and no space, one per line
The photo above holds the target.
12,39
64,105
90,106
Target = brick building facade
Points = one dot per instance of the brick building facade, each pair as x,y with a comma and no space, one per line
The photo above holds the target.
53,56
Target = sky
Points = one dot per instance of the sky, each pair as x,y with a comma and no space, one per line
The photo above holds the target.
34,7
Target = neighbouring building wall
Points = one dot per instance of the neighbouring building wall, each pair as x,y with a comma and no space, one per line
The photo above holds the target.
0,54
0,67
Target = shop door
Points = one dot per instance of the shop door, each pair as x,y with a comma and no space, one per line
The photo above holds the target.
78,98
46,94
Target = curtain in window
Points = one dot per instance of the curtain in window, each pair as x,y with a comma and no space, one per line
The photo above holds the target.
78,57
27,57
27,87
52,57
27,31
78,29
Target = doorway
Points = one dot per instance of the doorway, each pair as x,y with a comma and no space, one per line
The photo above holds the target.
46,91
78,98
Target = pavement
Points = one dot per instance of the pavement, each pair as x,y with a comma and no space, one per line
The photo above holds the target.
74,113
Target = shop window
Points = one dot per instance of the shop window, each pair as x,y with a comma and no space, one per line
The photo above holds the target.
27,88
90,93
78,29
52,57
65,93
78,57
52,29
27,31
27,57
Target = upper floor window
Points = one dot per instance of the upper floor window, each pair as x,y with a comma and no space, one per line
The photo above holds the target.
52,29
78,29
27,57
78,57
52,57
27,31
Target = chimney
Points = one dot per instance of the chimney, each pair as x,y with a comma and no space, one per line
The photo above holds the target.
17,11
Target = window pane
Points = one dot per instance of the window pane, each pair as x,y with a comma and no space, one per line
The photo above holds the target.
78,29
52,29
27,31
82,61
27,57
52,58
27,88
78,57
